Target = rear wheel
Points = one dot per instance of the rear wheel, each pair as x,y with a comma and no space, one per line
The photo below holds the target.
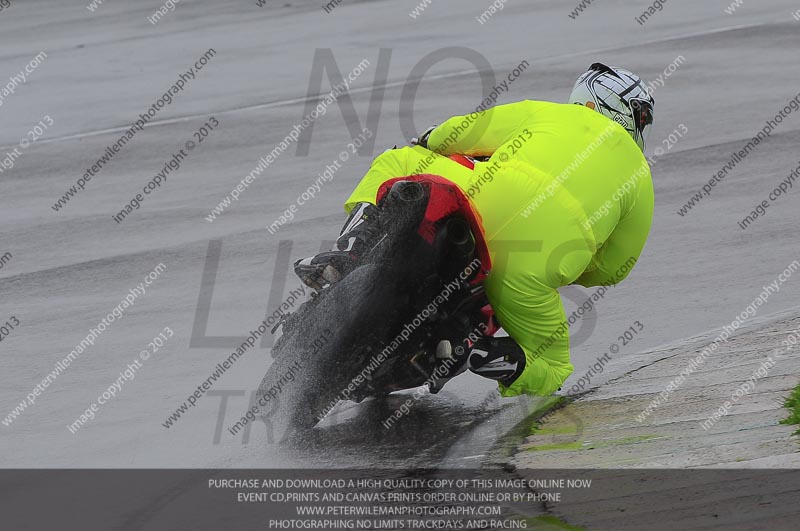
327,347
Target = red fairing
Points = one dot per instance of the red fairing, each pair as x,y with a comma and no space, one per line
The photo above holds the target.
447,198
463,160
492,326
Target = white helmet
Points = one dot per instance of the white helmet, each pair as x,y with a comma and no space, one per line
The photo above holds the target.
618,94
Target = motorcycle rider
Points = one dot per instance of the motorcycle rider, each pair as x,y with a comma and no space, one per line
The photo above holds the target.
570,181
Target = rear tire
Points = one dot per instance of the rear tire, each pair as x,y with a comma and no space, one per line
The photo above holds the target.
343,322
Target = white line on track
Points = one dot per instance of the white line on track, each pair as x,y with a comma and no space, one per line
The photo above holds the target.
388,84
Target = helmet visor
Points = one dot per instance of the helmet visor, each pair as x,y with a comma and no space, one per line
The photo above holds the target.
642,111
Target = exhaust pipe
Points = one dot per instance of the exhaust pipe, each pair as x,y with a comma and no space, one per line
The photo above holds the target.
460,238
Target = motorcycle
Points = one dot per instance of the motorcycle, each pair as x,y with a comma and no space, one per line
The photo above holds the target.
377,330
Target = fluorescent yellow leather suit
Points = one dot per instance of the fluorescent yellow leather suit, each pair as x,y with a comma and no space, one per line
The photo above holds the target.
566,198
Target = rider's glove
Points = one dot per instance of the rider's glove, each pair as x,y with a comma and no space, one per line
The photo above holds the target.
423,138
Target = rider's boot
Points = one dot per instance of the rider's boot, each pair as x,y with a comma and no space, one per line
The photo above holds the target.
358,233
496,358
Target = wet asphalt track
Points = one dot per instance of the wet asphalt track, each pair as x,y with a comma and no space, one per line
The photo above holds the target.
71,268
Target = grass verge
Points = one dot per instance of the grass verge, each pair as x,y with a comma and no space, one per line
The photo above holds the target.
793,405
